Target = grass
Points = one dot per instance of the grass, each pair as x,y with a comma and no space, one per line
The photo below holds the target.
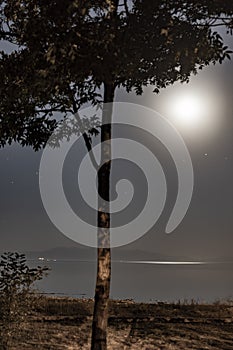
65,323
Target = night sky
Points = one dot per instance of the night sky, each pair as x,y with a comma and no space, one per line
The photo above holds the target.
206,231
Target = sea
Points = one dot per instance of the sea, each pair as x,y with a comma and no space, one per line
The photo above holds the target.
141,281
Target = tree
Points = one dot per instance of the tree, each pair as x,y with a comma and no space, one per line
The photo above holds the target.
16,281
72,52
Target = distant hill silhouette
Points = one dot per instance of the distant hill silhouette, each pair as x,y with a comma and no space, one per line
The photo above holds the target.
88,253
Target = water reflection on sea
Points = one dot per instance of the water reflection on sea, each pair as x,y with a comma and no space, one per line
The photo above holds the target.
142,280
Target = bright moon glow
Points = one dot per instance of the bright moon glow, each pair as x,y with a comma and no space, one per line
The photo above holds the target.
187,109
195,110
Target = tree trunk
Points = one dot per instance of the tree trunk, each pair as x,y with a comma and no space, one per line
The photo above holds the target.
102,291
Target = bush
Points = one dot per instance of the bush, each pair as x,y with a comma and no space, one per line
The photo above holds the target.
16,293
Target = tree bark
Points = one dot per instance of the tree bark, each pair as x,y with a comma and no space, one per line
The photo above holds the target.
102,291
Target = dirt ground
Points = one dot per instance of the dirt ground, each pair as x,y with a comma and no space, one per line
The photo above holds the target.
65,323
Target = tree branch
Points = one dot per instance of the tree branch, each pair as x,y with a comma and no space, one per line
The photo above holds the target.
7,34
213,25
49,110
86,138
126,7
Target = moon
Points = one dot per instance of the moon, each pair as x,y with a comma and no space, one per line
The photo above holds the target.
194,110
187,109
